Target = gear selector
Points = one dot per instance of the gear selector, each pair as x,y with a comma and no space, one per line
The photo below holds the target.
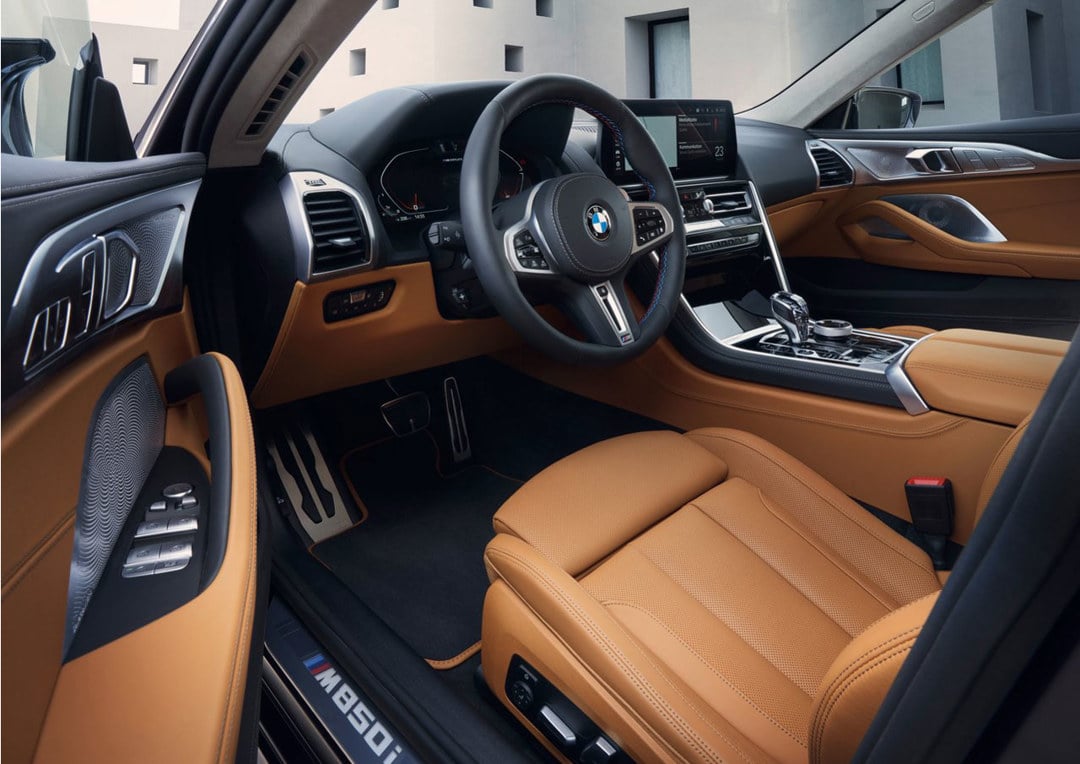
791,312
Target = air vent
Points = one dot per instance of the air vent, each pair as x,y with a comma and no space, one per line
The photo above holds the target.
338,233
832,169
277,96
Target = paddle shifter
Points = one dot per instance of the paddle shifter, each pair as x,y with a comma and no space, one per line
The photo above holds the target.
791,312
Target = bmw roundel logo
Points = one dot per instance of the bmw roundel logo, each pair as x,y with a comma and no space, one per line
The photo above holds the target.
598,221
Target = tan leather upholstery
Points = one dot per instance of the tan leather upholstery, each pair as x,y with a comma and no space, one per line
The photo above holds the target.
172,691
1037,213
408,334
820,431
987,375
691,593
44,439
1001,461
914,331
859,678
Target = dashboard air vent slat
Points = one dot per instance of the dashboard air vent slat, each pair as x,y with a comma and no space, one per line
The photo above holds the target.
277,96
832,170
338,234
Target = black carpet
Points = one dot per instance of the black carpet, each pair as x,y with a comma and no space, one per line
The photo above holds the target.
417,560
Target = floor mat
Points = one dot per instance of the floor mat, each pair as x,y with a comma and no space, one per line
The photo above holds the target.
417,560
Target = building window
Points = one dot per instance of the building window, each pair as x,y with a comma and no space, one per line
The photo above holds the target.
144,71
669,58
357,62
515,58
921,72
1040,63
389,5
325,112
545,8
484,3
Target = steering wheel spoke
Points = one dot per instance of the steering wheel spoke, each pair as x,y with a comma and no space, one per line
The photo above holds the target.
526,253
653,226
602,312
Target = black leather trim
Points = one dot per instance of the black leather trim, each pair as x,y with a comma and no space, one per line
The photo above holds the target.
26,176
1056,136
41,195
203,376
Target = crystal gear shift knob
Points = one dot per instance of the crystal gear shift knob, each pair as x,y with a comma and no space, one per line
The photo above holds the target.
791,312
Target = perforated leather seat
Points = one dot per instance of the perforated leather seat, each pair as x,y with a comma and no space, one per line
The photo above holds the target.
704,597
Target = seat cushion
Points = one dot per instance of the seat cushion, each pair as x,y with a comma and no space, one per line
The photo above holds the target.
739,598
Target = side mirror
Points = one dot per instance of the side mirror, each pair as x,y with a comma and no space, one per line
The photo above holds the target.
874,108
20,57
877,108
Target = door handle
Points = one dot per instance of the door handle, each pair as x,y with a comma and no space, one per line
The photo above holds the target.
933,161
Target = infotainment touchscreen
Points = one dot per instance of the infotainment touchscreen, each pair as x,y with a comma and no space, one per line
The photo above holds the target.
695,137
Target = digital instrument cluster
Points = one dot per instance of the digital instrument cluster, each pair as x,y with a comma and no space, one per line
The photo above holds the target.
420,182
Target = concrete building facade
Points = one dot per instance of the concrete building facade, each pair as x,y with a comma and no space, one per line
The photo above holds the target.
1013,59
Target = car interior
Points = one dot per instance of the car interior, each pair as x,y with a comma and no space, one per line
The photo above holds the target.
521,421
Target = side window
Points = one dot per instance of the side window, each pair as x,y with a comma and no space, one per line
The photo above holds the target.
56,53
1016,58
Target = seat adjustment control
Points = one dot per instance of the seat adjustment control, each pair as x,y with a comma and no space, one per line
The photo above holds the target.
557,729
557,719
599,751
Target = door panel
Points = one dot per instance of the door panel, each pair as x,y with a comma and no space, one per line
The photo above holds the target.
1039,215
116,404
184,701
857,252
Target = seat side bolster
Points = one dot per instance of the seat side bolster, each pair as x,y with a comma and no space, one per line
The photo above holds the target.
607,655
997,467
856,683
582,508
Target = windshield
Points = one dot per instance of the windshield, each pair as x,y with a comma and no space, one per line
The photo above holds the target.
742,51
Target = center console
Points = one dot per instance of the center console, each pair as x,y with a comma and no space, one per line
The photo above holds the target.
726,324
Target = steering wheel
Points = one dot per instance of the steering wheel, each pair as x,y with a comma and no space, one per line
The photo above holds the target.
577,236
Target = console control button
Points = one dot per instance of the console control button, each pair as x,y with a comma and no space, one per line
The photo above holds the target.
143,553
137,571
183,525
170,566
175,550
159,506
558,730
188,502
177,490
152,528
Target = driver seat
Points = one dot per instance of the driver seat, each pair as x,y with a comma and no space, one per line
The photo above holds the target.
699,597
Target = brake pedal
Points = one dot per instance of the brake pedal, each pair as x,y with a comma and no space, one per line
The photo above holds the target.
460,446
407,414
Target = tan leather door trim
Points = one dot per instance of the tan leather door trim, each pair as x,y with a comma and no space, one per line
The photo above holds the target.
42,446
1039,214
173,690
934,250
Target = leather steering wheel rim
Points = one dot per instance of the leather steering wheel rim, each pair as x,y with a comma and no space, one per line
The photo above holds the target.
587,267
